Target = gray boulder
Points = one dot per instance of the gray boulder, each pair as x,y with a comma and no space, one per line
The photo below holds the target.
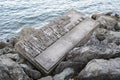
107,22
14,57
87,53
66,74
100,69
2,45
46,78
34,74
9,70
77,66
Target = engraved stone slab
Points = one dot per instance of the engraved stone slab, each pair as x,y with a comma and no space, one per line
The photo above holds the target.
47,46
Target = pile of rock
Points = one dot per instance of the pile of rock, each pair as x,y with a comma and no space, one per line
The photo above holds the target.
98,59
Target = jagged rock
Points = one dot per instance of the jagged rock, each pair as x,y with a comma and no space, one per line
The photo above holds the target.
46,78
117,27
14,57
12,41
77,66
107,22
95,16
9,70
100,37
100,69
87,53
108,13
2,45
34,74
66,74
7,50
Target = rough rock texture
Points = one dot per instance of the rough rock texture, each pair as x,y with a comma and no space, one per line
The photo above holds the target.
66,74
12,41
46,78
2,45
34,74
99,69
107,22
9,70
77,66
105,47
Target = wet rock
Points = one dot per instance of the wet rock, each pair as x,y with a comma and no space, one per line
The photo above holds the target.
100,37
2,45
34,74
66,74
46,78
9,70
77,66
100,69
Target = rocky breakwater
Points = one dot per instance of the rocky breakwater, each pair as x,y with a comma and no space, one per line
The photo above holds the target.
97,59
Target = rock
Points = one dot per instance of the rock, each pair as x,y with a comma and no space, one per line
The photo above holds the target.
117,27
100,37
87,53
100,69
7,50
46,78
95,16
2,45
34,74
9,70
108,13
77,66
117,42
12,41
107,22
14,57
66,74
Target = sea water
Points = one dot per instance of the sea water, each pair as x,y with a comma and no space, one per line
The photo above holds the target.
17,14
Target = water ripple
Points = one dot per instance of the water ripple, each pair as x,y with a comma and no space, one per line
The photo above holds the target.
16,14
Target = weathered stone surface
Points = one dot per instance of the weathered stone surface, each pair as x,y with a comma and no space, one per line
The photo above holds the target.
2,45
107,22
9,70
76,66
14,57
46,78
34,74
45,49
66,74
99,69
100,36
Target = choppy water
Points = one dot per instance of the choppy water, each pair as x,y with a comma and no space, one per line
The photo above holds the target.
16,14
